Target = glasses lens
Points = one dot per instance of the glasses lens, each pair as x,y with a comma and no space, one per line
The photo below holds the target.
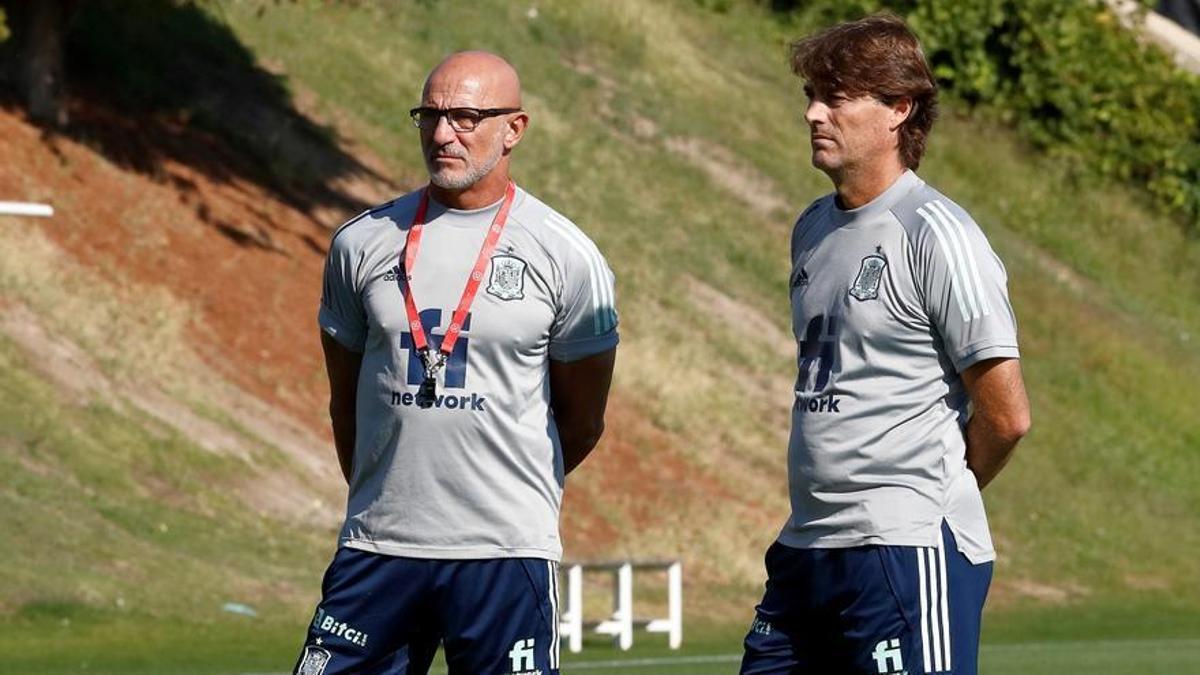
464,119
423,117
460,119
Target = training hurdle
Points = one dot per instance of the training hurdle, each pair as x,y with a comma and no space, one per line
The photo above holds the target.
26,209
621,622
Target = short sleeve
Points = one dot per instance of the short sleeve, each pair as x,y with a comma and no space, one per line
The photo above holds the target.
341,315
801,226
585,321
964,286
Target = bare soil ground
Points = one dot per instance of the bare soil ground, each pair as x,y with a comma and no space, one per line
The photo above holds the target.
247,264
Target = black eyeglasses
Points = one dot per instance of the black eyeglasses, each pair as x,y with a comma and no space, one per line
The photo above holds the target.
460,119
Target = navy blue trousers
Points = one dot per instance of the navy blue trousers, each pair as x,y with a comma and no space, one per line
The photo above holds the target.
868,610
383,614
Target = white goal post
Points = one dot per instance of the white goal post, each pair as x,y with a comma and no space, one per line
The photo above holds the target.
621,622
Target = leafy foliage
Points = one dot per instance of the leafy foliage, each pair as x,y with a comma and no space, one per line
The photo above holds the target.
3,26
1071,76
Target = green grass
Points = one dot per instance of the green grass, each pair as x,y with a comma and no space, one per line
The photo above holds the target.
66,639
652,123
1105,287
113,511
1117,657
59,640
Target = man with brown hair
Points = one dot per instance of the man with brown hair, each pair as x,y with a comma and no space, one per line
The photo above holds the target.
909,396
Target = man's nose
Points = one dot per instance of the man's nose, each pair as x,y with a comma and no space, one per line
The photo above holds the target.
815,112
443,133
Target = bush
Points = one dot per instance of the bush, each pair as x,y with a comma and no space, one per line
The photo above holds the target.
3,27
1071,77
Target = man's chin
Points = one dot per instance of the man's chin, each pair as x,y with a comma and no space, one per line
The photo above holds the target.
824,162
447,180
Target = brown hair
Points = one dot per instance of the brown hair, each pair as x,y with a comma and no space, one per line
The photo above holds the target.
877,56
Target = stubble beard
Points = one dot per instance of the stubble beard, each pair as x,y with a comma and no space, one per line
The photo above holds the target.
448,179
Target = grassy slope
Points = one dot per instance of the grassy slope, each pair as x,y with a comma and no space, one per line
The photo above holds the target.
1105,288
1095,509
124,538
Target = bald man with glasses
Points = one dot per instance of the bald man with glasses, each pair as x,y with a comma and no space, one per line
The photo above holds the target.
470,333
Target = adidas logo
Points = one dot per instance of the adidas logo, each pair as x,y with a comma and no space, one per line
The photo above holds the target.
801,279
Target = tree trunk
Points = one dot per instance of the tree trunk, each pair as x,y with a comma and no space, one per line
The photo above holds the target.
43,76
36,46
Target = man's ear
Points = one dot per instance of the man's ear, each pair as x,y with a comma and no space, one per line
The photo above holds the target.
515,130
902,109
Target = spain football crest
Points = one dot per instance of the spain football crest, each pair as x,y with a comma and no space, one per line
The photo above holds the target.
870,274
507,281
314,661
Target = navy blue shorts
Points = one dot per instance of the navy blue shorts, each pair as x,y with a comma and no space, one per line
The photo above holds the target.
386,614
869,610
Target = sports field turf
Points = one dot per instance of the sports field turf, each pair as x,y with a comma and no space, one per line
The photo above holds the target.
1100,657
129,535
238,647
1117,657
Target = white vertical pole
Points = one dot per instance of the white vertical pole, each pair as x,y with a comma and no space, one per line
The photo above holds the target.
623,605
574,617
675,604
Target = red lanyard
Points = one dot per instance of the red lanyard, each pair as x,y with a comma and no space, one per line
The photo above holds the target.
412,243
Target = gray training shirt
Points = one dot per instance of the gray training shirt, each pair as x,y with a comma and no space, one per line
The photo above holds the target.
890,302
479,474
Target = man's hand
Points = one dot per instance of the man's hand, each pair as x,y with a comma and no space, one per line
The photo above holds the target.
1000,417
578,396
342,365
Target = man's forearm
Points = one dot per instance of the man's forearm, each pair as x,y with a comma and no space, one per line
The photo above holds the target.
578,445
344,429
343,366
578,396
1001,415
988,448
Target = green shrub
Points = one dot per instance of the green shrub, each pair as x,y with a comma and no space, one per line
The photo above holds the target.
1070,76
3,26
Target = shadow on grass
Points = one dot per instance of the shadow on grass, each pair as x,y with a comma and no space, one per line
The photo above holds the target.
157,81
